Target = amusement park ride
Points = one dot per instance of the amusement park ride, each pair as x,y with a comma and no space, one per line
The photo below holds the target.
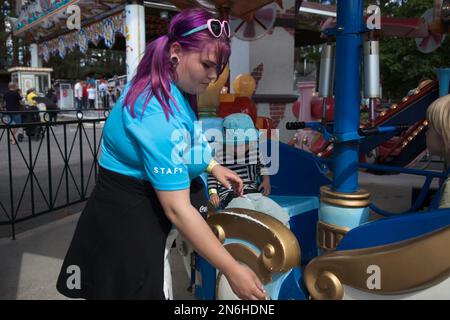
332,250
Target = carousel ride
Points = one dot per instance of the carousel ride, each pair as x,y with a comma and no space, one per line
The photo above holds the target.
332,250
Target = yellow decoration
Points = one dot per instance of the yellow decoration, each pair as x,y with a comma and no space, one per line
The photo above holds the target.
210,98
244,85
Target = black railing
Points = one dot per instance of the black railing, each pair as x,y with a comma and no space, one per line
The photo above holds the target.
55,164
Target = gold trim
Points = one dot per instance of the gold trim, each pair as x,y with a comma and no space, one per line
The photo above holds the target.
249,257
329,236
405,266
279,247
424,83
358,199
219,233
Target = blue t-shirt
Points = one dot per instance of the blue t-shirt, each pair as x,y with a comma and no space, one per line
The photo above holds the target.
168,153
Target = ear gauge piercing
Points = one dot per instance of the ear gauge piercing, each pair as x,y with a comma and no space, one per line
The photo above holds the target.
174,61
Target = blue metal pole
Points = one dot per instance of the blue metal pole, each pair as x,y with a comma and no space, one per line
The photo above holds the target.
347,112
444,81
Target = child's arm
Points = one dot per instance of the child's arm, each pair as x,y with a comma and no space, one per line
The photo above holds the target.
213,185
213,190
261,170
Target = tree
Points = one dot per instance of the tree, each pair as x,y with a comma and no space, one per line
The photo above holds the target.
402,65
13,50
96,63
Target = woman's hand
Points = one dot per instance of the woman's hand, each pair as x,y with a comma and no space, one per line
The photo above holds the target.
228,178
245,283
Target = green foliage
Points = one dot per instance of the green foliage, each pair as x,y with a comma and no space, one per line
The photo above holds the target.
402,65
96,63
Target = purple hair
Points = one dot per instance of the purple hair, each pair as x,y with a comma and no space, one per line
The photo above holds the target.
154,72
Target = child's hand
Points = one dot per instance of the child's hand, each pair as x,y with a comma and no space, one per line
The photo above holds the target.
214,199
265,185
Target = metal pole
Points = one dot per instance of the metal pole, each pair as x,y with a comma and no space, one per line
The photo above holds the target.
30,157
49,166
11,196
66,164
80,132
348,60
95,154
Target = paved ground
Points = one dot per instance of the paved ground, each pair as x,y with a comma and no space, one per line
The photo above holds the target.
30,264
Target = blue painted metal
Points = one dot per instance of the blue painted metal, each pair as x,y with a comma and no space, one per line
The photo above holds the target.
293,287
319,127
425,173
295,205
346,119
206,290
300,173
343,217
395,229
387,129
304,227
444,80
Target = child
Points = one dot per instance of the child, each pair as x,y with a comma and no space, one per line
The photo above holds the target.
241,155
438,138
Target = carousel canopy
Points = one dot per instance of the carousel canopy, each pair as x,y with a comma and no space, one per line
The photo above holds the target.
41,19
242,9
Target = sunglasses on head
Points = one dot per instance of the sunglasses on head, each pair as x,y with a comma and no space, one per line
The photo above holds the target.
215,27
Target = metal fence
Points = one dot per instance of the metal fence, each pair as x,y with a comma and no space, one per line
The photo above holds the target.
54,165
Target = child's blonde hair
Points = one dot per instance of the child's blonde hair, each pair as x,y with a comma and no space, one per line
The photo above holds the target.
438,116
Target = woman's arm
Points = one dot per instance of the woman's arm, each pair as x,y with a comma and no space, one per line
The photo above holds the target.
182,214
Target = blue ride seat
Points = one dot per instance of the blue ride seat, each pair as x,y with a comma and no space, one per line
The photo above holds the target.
303,216
394,229
296,188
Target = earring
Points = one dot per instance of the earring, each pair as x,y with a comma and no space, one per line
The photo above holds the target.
174,61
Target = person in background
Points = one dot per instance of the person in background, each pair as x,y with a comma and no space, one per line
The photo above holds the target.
438,139
78,94
117,87
31,94
13,102
104,93
52,104
85,95
91,95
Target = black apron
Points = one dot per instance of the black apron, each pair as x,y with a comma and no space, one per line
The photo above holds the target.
117,250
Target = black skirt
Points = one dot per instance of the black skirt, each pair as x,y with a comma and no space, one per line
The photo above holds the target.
117,251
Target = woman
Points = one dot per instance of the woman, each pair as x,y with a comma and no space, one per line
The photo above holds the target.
438,138
145,175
